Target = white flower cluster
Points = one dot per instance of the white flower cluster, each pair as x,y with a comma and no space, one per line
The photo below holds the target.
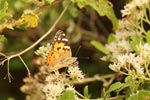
144,51
133,5
128,34
43,50
132,64
52,91
57,83
117,48
75,73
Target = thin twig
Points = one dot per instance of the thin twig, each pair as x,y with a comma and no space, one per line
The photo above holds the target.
8,75
107,83
25,65
95,78
3,54
3,61
40,9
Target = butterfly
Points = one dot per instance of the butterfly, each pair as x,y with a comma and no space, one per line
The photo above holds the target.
60,54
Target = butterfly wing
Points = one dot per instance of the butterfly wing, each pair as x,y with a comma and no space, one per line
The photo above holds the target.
60,55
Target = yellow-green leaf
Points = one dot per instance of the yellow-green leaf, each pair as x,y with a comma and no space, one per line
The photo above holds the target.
148,37
30,18
67,95
111,38
86,92
3,9
3,38
9,24
50,1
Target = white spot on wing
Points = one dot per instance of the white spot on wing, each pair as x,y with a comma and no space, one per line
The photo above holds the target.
59,38
63,34
64,39
67,47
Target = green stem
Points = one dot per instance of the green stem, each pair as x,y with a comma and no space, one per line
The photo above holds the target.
80,95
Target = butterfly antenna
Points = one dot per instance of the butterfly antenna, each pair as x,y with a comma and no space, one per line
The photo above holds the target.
77,50
84,57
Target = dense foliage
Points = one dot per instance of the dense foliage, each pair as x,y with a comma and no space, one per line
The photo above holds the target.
110,39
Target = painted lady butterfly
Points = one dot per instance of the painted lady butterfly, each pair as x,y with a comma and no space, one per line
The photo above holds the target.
60,55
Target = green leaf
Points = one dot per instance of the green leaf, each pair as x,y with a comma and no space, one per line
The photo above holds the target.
80,3
128,80
67,95
103,8
111,38
30,18
140,95
3,9
3,39
99,46
86,92
103,93
135,40
115,87
148,37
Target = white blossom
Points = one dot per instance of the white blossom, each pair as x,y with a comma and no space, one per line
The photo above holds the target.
131,7
52,91
75,72
117,48
144,51
131,64
43,50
